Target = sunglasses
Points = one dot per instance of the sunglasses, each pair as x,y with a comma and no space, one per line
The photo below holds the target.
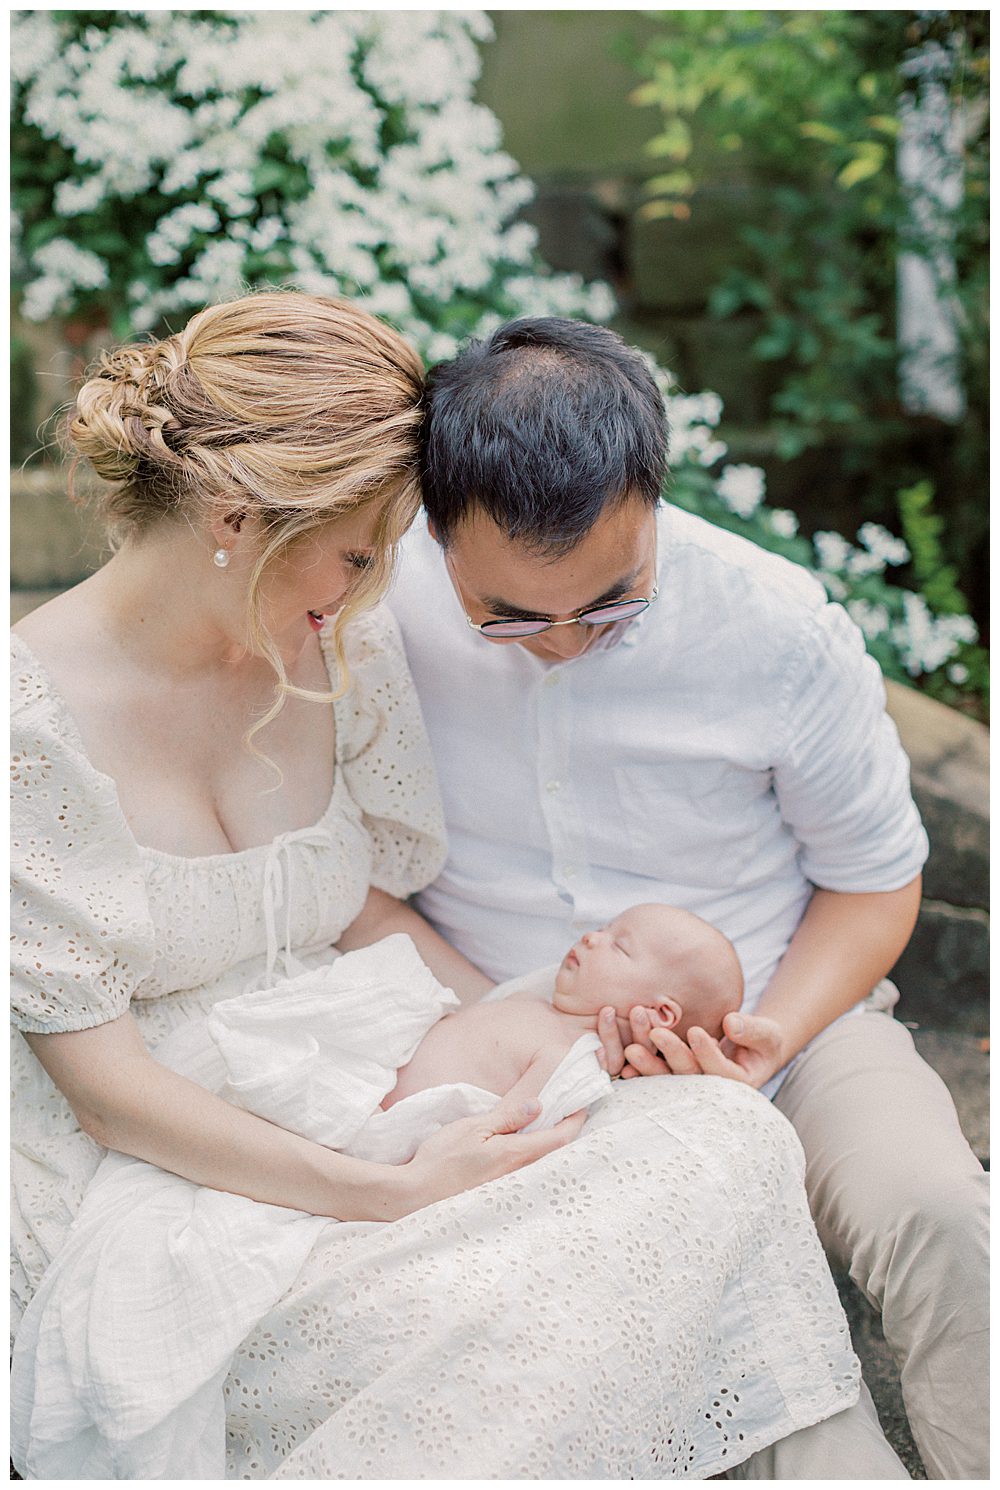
509,628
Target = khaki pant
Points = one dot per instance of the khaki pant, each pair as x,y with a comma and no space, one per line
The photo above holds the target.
900,1202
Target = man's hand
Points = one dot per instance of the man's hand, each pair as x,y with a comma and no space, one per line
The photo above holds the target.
626,1046
751,1052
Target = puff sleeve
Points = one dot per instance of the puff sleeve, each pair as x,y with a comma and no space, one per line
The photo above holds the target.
81,932
385,756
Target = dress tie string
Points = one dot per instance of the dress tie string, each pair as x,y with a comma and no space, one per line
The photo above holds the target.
277,891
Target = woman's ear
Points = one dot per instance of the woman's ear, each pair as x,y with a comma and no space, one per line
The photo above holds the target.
670,1013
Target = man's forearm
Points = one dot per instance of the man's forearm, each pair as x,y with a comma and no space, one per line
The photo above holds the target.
843,946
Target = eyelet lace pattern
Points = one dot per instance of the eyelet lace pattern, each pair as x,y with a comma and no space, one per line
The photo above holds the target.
100,924
650,1302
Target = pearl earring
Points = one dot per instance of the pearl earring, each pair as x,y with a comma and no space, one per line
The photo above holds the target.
220,558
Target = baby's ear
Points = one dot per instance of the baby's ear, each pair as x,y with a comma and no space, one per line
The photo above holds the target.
670,1013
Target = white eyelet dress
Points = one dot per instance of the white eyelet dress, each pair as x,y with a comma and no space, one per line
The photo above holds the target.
650,1302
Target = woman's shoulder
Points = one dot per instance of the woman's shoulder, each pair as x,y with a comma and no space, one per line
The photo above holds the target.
43,727
372,634
31,688
373,656
47,645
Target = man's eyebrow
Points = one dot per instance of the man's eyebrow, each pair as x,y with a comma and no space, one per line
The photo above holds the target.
501,607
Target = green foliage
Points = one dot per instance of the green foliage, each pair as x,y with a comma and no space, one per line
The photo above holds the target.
922,528
803,109
937,580
806,103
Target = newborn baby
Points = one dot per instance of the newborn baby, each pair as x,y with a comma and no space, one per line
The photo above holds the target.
671,961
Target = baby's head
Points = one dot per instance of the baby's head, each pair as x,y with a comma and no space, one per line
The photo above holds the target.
659,956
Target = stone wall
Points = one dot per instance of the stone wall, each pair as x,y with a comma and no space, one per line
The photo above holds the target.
944,973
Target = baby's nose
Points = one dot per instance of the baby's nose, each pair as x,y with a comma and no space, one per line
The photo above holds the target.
588,939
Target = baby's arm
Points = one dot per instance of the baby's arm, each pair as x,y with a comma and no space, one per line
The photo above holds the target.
543,1064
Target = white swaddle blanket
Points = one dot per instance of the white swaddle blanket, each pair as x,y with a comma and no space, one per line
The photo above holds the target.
120,1360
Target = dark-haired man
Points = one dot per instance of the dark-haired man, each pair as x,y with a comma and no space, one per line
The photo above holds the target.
628,704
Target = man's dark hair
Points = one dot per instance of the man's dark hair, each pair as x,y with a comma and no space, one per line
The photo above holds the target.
542,426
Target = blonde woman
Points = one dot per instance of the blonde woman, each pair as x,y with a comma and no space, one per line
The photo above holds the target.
215,784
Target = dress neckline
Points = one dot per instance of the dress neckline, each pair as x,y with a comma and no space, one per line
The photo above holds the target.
71,732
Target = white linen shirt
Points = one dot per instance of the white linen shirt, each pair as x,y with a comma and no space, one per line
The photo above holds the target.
726,752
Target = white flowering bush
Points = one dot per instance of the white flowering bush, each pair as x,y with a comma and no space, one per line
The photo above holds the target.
911,639
163,160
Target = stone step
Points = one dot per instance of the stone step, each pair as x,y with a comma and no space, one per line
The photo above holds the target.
949,766
53,543
943,975
963,1063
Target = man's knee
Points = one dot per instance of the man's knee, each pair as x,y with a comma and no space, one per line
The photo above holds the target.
880,1193
923,1231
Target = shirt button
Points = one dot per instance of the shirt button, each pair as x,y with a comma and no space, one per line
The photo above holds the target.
553,786
569,873
551,679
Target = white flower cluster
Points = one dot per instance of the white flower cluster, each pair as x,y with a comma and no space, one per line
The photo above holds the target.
693,417
835,556
782,522
406,197
741,488
63,270
926,641
874,620
923,641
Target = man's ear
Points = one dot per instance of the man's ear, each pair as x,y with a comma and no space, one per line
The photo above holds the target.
432,530
670,1012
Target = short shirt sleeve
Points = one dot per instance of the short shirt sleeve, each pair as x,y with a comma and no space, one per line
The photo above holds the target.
384,753
81,934
841,776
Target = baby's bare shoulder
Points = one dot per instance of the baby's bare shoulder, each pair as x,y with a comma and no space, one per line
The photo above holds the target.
533,1017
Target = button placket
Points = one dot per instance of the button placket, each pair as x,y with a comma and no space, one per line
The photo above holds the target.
557,796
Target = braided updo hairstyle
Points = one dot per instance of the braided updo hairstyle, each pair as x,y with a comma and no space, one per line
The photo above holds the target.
283,407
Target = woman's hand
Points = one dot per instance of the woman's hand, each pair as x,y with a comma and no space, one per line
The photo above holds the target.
751,1052
473,1150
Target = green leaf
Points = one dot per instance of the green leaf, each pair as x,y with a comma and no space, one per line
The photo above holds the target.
673,183
269,174
862,167
658,210
673,141
644,95
814,130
